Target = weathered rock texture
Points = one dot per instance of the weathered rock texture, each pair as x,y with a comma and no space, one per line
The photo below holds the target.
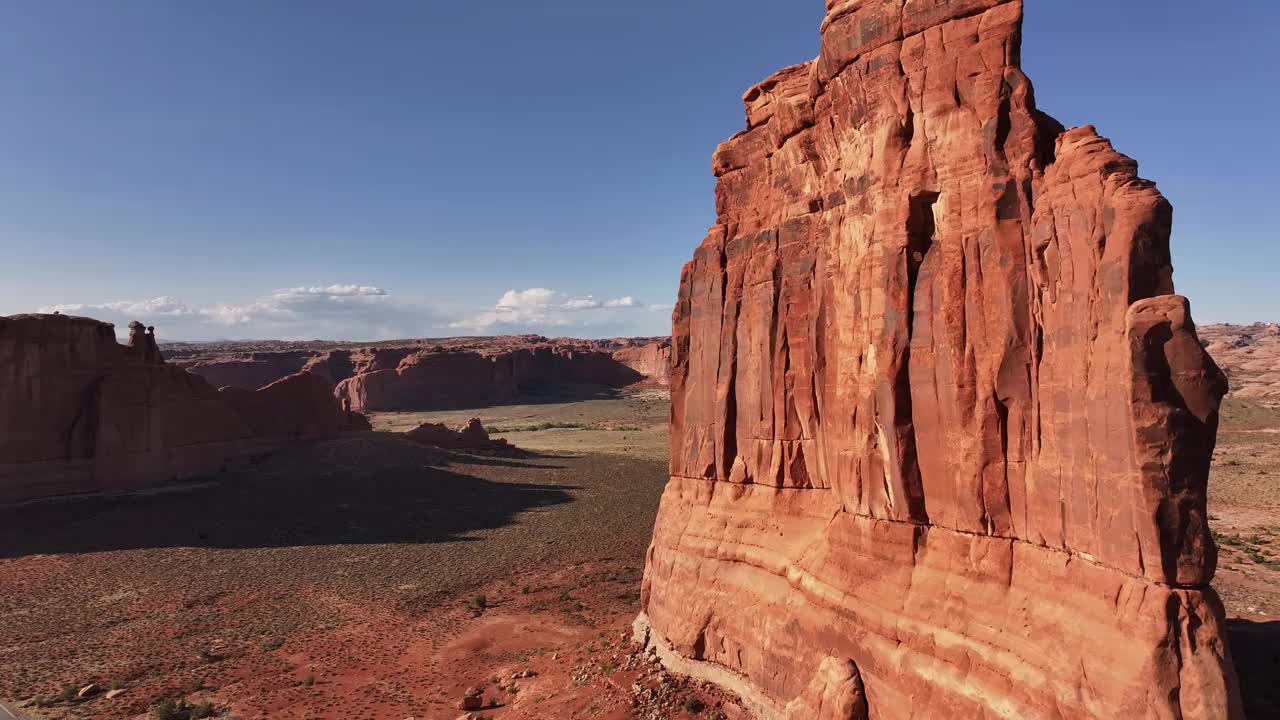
940,429
81,413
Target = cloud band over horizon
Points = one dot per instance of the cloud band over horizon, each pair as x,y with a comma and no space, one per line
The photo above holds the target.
366,312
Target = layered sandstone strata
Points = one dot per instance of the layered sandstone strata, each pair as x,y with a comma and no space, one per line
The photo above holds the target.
81,413
940,427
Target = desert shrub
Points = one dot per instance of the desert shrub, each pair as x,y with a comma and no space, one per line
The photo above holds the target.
171,709
559,426
694,705
480,601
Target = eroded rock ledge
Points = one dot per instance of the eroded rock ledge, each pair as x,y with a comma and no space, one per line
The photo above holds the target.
941,430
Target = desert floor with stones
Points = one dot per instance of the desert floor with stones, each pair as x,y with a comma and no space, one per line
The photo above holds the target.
367,577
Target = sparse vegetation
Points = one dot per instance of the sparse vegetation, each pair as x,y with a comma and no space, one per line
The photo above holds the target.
498,430
309,681
171,709
694,705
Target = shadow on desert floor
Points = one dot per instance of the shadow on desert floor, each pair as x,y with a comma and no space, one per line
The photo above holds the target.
1255,647
367,490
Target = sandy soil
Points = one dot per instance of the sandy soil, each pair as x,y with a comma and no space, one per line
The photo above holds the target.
342,580
634,425
1244,507
372,578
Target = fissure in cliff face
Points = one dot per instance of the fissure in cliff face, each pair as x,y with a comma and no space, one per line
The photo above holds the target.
940,427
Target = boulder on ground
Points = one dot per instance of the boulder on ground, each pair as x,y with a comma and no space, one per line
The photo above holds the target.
471,437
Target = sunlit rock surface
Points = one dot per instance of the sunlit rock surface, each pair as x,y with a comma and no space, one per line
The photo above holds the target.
940,427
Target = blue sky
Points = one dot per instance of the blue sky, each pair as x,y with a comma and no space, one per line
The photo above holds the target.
383,169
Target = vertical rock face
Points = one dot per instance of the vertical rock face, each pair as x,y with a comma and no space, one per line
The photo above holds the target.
651,360
81,413
940,427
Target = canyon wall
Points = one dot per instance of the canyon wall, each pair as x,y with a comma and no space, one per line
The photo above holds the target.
444,374
80,412
940,428
447,379
651,360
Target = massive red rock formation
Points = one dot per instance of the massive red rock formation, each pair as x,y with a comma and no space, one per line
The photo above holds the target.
439,374
81,413
940,427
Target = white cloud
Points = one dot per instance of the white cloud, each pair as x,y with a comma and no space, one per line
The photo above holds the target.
155,307
538,309
366,312
333,291
340,312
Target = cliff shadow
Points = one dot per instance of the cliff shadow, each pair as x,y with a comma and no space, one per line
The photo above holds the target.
1255,648
352,491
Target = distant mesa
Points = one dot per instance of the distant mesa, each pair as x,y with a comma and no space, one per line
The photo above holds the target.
80,412
941,429
437,374
1250,355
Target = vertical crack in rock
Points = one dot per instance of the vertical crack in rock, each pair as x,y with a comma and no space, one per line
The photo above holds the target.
921,262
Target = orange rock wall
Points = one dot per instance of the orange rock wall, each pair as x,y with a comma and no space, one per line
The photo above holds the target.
81,413
937,415
652,361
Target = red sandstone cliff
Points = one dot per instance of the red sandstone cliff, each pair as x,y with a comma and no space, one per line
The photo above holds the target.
652,360
81,413
941,429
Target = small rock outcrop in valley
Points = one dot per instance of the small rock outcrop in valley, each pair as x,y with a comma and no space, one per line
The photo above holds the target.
440,374
471,437
82,413
940,427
